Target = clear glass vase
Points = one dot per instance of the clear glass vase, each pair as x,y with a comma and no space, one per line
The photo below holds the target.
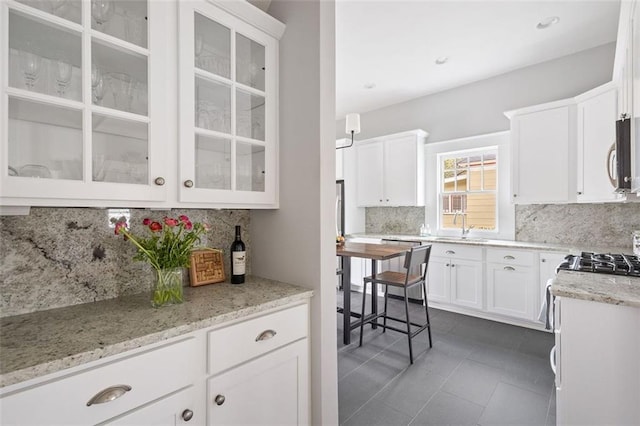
167,289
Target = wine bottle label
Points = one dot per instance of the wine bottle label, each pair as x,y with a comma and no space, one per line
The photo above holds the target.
238,258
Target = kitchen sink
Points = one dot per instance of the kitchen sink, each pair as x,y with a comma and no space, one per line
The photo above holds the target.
461,239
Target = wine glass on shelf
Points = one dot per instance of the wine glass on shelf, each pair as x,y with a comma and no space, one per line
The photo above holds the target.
31,64
63,75
102,11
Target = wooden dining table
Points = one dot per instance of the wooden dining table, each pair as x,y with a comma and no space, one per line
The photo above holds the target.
374,252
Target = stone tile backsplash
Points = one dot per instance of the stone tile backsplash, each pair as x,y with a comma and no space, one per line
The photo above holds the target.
393,220
58,257
601,225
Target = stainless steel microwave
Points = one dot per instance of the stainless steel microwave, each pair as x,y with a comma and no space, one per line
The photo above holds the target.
623,155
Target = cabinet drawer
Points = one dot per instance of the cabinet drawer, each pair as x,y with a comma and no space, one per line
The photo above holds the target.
237,343
510,257
456,251
150,375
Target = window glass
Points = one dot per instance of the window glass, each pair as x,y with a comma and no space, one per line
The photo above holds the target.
468,186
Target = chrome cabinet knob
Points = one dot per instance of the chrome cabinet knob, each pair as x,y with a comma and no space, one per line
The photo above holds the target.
159,181
187,415
188,183
543,260
219,399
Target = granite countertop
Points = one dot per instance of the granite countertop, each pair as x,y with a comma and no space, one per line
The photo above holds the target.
39,343
604,288
495,243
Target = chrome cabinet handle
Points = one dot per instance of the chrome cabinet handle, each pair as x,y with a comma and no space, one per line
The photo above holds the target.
509,257
188,183
159,181
509,268
219,399
450,252
611,165
453,265
543,260
109,394
187,415
266,335
448,264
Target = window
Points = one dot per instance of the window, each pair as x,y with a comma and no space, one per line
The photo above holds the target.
468,186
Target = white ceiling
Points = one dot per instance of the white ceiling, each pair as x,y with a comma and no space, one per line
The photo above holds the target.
394,44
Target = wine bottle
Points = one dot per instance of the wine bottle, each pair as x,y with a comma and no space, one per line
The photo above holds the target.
238,259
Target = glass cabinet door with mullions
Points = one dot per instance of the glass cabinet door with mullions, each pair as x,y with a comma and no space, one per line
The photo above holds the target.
76,117
228,74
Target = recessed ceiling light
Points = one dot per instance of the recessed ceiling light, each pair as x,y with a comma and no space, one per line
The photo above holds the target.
442,60
369,85
546,23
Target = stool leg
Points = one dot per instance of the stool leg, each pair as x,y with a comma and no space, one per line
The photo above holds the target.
364,300
406,311
426,311
386,298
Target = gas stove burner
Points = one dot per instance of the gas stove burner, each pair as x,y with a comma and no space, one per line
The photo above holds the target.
603,263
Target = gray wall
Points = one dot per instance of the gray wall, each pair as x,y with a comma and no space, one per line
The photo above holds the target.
477,108
296,243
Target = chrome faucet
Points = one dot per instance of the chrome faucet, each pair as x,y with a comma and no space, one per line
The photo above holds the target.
465,230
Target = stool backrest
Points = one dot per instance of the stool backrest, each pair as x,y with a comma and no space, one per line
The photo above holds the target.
417,256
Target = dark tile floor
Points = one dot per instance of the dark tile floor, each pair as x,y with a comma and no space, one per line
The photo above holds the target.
478,372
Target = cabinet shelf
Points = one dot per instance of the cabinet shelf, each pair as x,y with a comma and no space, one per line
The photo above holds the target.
118,44
44,17
44,99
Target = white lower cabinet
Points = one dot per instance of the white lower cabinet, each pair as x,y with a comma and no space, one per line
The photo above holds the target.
512,283
510,290
260,365
501,284
455,275
270,390
181,408
597,368
126,383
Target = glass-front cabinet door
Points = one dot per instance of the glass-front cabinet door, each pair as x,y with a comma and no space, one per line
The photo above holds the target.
77,121
228,99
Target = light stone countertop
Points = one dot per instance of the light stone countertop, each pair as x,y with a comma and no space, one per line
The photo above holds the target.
483,242
604,288
43,342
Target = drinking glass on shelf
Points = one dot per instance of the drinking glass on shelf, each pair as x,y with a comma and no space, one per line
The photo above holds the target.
122,86
97,84
198,48
58,7
63,75
99,169
30,63
102,11
134,28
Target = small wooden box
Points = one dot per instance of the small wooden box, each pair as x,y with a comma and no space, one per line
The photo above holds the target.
206,267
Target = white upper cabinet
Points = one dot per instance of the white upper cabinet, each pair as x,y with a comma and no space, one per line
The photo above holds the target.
390,170
596,167
77,121
228,72
543,154
90,104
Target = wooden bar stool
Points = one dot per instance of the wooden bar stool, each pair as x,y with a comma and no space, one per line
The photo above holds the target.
417,256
